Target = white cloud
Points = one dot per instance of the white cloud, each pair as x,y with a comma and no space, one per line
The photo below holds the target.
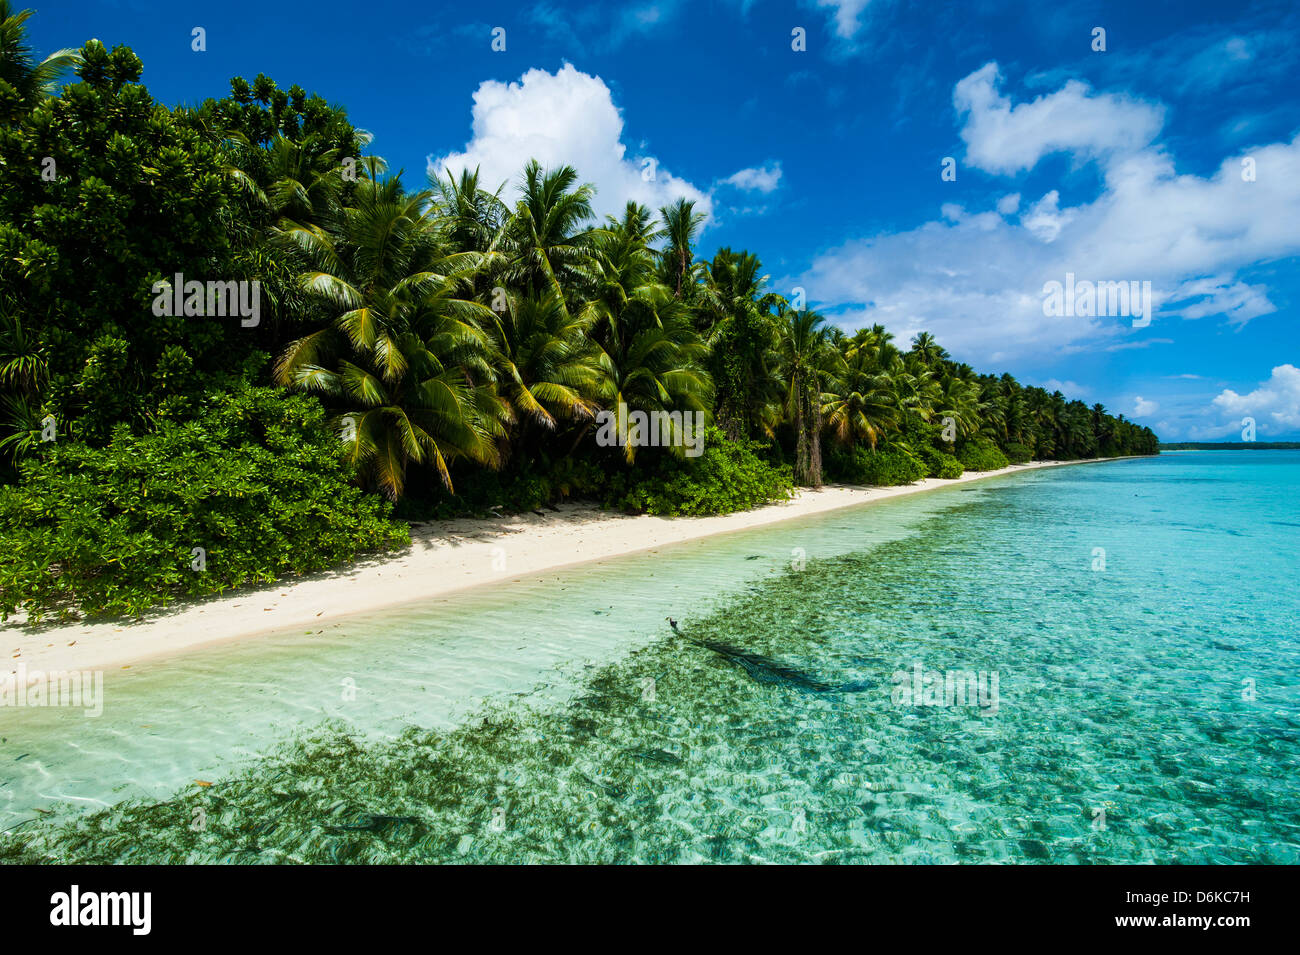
1009,205
1068,388
1139,343
756,179
1219,295
1044,218
566,117
1001,138
847,15
974,278
1276,400
1142,408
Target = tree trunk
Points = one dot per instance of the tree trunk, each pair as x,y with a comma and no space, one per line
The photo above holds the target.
815,462
578,440
801,462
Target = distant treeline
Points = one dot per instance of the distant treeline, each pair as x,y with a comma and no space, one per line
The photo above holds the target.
1231,446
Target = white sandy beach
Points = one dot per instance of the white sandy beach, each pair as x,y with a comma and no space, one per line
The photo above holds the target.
443,557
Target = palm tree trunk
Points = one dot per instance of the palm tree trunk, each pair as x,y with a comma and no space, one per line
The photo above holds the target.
801,463
815,455
582,433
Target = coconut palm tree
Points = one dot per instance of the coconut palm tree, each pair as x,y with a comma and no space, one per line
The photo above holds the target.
929,350
404,362
958,401
862,405
474,219
916,386
637,226
549,245
654,363
807,358
622,265
30,79
681,223
546,363
735,319
304,179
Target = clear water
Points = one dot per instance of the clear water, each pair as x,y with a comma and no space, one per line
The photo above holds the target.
1147,707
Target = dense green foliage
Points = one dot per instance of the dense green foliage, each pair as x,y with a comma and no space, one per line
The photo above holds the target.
728,476
981,454
257,483
881,467
1018,453
938,463
442,348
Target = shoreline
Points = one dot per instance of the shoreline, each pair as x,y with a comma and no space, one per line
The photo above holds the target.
445,557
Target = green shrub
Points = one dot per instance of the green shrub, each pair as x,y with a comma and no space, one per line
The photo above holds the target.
257,481
883,467
531,484
938,463
981,454
728,476
1019,453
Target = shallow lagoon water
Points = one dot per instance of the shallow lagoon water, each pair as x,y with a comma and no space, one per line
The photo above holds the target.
1148,709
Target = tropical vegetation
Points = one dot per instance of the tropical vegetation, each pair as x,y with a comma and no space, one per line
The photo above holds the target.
420,350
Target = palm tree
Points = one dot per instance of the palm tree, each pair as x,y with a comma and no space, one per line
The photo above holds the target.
681,223
654,363
18,67
405,362
736,321
304,180
991,406
547,365
474,219
550,248
637,226
958,400
1103,428
862,405
622,277
929,351
916,386
806,356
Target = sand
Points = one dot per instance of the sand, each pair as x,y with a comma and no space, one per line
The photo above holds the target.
444,556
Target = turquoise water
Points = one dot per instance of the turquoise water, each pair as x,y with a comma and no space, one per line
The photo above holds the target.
1131,628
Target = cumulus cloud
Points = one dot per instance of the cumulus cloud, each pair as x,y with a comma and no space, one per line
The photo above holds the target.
756,179
566,117
1276,400
1219,295
974,278
1009,205
1044,219
1142,407
846,15
1002,138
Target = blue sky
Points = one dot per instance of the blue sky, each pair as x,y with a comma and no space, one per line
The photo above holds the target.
1117,165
